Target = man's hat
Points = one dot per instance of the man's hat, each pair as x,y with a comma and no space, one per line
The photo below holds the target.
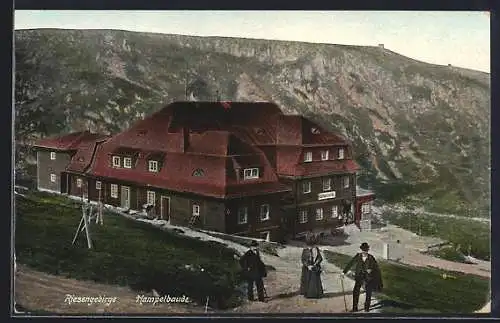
254,244
364,246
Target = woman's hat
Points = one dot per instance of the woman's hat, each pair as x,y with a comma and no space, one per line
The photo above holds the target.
254,244
364,246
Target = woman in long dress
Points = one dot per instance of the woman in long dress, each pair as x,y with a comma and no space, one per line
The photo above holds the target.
310,281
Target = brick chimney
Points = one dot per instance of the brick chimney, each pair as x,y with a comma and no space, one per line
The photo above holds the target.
185,138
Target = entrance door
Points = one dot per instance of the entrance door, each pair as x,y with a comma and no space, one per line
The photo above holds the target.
165,208
64,183
125,198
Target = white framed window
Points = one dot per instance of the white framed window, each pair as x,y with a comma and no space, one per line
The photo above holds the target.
79,182
327,184
151,198
264,212
97,185
52,155
335,211
324,154
242,215
365,208
319,214
153,166
306,187
127,162
196,209
346,181
303,216
116,161
53,178
114,191
250,173
315,131
341,153
308,156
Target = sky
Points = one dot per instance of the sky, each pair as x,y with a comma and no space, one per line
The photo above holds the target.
459,38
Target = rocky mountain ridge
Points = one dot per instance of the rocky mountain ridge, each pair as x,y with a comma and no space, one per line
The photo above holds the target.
420,131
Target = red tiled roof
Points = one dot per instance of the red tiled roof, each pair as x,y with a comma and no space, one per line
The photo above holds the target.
323,168
216,137
234,191
67,142
85,151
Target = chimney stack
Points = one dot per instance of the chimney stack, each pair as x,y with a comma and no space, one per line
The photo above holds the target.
185,137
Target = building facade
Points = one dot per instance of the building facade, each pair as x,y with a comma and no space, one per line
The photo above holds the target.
239,168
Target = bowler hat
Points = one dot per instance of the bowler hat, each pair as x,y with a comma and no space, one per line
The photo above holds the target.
364,246
254,244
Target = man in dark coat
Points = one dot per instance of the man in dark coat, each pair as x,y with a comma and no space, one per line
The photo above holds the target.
367,273
253,271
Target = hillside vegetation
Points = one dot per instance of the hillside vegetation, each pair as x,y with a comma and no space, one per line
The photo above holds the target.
419,130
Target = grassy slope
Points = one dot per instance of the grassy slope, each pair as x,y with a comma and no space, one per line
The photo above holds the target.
126,252
419,290
465,235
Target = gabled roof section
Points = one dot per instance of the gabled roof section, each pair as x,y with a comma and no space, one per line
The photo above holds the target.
84,155
313,134
321,168
363,192
69,141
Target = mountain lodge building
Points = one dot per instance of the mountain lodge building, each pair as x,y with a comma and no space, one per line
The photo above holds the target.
239,168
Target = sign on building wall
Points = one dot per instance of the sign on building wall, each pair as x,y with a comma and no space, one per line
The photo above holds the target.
326,195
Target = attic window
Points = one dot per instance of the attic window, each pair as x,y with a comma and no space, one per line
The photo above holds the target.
251,173
198,172
153,166
315,131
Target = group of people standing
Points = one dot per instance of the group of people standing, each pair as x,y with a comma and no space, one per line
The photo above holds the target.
366,273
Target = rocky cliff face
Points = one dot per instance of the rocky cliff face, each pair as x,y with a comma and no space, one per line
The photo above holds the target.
421,131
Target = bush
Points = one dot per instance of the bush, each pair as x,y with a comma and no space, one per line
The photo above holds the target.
426,290
125,252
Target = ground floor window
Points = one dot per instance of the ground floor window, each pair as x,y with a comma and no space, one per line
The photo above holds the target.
335,211
264,212
196,209
366,208
53,178
114,191
303,216
151,198
79,182
242,215
319,214
97,185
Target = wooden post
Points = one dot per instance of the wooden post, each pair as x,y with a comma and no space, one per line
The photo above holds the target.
99,211
86,216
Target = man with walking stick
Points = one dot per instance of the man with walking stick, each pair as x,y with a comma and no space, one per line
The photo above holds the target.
367,273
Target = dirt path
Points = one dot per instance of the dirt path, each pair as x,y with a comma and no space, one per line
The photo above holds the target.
418,259
40,291
284,298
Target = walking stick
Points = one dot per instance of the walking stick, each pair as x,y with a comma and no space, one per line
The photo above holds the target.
343,292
